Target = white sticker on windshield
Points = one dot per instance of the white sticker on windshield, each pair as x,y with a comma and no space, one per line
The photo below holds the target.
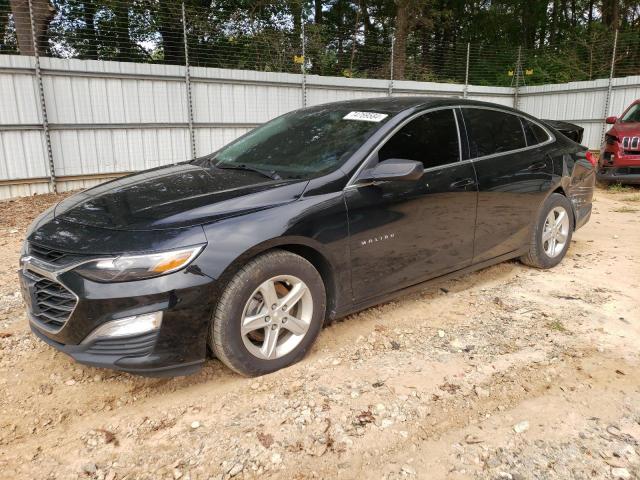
365,116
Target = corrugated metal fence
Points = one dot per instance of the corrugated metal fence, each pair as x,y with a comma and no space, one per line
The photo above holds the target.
109,118
582,103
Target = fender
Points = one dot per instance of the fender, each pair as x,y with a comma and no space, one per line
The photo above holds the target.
314,227
559,187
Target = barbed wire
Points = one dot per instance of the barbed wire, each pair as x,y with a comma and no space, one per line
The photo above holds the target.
128,30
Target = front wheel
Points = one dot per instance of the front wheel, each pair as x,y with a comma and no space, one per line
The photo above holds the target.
551,235
269,314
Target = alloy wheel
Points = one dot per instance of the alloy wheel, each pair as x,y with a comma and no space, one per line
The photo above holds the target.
555,232
276,317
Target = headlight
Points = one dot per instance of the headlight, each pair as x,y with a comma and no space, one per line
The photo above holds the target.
138,267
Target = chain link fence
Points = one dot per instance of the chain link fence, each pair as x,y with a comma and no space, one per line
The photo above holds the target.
188,35
172,32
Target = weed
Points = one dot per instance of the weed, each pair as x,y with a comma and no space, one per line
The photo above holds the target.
618,188
557,326
625,209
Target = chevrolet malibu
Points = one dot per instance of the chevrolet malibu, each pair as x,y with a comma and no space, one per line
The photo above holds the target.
316,214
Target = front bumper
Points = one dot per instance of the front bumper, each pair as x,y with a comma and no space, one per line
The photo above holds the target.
627,175
582,215
125,354
178,347
618,166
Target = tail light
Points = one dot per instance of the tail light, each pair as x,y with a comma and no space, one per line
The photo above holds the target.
591,158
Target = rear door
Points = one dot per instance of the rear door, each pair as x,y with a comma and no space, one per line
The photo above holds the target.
514,175
402,233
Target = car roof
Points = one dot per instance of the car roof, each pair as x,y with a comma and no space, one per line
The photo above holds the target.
395,105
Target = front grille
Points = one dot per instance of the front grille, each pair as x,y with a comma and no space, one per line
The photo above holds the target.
44,253
53,303
631,144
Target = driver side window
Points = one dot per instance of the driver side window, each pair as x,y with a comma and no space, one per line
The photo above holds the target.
633,115
431,138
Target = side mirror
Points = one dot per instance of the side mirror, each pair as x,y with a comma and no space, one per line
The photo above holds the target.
394,169
611,120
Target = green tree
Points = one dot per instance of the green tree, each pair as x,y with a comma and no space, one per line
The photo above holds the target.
43,12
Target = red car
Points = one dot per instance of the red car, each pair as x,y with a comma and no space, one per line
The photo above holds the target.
620,154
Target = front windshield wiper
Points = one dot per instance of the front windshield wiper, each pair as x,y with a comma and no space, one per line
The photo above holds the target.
272,174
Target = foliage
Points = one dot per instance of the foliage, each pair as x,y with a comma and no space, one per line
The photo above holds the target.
559,41
8,42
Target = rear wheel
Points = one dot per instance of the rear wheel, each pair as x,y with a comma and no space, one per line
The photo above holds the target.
269,314
551,235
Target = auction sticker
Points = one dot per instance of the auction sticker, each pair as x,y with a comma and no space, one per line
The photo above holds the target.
365,116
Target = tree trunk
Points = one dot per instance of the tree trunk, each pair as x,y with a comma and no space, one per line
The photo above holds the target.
353,42
296,13
425,42
554,23
317,14
122,40
563,22
370,31
525,17
544,23
402,31
170,27
90,29
441,40
610,13
43,13
371,50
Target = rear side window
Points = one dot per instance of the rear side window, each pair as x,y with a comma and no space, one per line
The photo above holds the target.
431,138
491,131
534,134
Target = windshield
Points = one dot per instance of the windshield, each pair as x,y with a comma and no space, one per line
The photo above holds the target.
632,115
302,144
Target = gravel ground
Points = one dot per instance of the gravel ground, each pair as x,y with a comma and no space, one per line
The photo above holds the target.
508,373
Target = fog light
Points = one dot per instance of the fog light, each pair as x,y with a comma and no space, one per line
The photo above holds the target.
127,327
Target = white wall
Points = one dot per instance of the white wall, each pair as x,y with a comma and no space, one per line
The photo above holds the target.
112,117
582,103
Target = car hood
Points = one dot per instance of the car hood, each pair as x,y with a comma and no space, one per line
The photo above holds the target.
625,129
176,196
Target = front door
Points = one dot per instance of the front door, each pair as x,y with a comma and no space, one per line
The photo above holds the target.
405,232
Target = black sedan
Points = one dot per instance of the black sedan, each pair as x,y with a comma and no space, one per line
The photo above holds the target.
316,214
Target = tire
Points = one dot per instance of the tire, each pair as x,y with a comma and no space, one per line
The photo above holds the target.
243,325
542,254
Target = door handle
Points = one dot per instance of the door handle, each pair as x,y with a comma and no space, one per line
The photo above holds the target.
465,182
534,167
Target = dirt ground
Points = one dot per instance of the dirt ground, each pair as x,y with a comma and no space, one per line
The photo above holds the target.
508,373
